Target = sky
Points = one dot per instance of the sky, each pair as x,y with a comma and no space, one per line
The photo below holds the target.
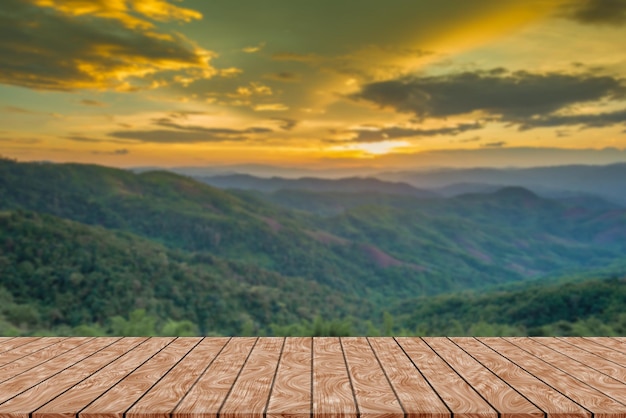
341,84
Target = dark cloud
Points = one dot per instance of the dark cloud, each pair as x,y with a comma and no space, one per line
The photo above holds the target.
168,123
597,120
184,114
510,96
177,133
165,136
81,138
89,102
599,12
386,134
498,144
286,124
49,48
123,151
284,76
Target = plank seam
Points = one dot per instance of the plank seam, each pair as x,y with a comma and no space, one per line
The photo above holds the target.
88,376
219,411
424,377
536,377
387,377
605,346
590,352
577,361
269,396
60,371
199,377
568,373
161,378
124,377
462,378
312,387
345,362
12,338
545,414
29,354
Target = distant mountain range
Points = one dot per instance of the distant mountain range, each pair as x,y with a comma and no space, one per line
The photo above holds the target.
80,244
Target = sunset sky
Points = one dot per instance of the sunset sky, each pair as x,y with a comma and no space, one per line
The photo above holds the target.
393,84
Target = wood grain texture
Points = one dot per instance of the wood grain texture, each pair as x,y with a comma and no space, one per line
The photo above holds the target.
31,377
332,390
161,400
70,403
116,401
12,343
554,403
460,397
291,395
22,405
591,399
208,394
582,372
24,350
585,357
500,395
607,342
418,399
597,349
374,395
250,393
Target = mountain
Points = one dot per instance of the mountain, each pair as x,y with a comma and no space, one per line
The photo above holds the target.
605,181
55,272
344,185
367,251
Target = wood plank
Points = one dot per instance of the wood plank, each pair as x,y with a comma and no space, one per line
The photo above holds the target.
597,349
417,397
70,403
116,401
13,343
506,400
593,360
332,391
554,403
374,395
291,395
460,397
250,393
591,399
84,347
23,351
607,342
163,397
26,402
582,372
208,394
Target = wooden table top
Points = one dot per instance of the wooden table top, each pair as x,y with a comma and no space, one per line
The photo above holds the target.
137,377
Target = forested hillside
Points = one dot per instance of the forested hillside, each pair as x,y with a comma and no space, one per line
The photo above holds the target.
96,250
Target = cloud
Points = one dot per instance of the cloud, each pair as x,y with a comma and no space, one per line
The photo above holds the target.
516,97
286,124
230,72
270,107
101,44
123,151
374,134
498,144
81,138
20,140
598,12
178,133
283,76
88,102
253,49
16,109
598,120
